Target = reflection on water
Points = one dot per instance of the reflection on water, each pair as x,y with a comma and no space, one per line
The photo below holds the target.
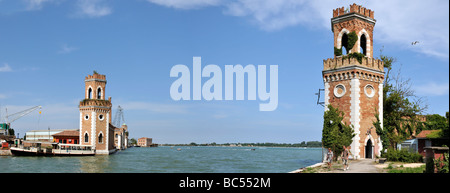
94,164
166,159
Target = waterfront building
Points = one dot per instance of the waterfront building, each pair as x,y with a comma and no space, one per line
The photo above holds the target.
96,129
67,137
45,135
121,137
145,142
354,79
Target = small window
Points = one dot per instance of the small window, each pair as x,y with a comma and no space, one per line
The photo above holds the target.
90,93
345,45
100,138
86,117
101,117
99,93
86,138
363,44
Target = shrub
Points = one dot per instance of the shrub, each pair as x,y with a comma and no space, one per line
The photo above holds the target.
337,51
403,156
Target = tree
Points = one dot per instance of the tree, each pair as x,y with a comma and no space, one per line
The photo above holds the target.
133,141
401,107
336,133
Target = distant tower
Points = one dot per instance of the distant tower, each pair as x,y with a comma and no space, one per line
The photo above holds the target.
95,116
356,88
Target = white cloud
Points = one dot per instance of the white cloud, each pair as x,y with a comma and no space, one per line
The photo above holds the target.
92,8
35,4
65,49
5,68
433,89
399,22
185,4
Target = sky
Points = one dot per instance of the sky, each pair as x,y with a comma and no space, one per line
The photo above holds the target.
47,47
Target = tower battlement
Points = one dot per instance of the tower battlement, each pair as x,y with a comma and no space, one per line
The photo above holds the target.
354,9
95,76
339,62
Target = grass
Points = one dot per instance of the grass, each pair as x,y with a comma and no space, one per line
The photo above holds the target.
401,169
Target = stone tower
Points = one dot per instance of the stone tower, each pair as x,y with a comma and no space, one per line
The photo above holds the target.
95,116
355,86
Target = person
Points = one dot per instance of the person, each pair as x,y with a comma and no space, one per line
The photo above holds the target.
344,156
329,158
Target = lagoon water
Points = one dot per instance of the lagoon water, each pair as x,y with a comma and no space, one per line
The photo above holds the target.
168,160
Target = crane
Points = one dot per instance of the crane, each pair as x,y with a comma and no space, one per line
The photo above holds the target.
11,118
20,114
118,118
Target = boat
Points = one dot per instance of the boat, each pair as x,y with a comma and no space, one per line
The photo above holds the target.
56,149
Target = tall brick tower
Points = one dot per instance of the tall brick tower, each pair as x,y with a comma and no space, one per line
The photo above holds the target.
355,86
95,116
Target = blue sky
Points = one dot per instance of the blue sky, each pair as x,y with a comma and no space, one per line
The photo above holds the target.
47,47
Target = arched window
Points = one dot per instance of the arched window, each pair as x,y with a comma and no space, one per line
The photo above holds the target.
86,138
345,44
100,138
99,93
363,44
90,93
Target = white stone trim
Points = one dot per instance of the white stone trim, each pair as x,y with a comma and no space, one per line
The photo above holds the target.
373,145
335,90
339,38
354,114
327,97
93,129
107,131
81,127
358,43
380,114
372,88
101,92
87,92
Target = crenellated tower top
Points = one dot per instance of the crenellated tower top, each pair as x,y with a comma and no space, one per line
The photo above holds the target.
354,9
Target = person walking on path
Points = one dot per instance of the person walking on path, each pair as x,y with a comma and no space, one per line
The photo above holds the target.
345,155
329,158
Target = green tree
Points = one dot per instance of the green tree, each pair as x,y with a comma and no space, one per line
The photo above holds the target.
401,107
336,133
133,141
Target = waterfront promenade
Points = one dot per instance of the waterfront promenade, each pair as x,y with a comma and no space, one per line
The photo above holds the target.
355,166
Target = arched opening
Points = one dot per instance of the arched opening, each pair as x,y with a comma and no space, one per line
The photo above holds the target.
363,44
90,93
369,149
86,138
99,93
100,138
344,42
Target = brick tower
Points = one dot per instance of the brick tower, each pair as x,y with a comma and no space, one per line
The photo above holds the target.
356,87
95,116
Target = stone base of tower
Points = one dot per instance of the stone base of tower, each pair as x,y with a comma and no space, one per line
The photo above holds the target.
105,152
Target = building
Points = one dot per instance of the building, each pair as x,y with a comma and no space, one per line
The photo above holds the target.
67,137
355,86
45,135
95,116
145,142
121,137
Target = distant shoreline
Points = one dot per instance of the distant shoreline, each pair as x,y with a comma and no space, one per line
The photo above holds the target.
309,144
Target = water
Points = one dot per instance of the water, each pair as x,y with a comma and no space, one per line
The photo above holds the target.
169,160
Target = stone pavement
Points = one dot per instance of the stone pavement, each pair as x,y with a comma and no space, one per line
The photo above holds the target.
357,166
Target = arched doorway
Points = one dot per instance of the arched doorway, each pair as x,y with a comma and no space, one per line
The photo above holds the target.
369,148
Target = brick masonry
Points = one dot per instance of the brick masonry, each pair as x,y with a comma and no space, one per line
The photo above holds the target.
355,87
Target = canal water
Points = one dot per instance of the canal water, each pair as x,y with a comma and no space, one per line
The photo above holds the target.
169,160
